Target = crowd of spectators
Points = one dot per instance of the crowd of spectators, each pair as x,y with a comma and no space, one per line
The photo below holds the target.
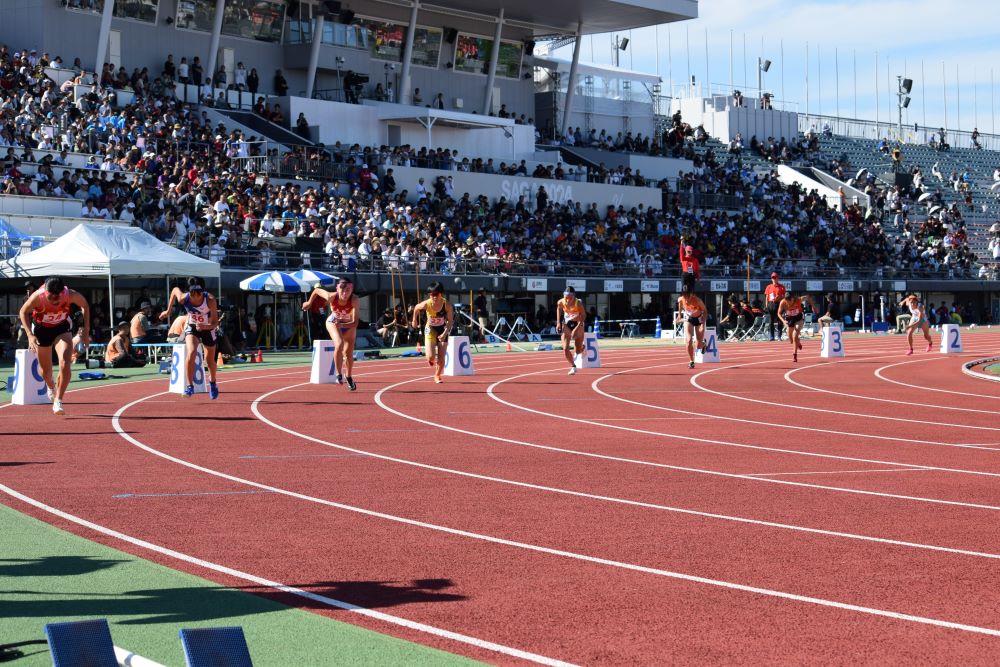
158,163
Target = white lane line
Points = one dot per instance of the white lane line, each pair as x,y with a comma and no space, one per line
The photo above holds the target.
836,472
745,420
843,413
665,466
767,592
352,451
298,592
880,375
953,408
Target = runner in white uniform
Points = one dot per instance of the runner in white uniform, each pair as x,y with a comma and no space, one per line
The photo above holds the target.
202,329
918,320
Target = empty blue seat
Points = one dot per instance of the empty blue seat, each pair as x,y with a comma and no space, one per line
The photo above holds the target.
81,644
216,647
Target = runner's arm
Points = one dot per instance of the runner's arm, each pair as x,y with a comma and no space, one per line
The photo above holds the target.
78,300
213,313
417,309
559,318
449,319
175,296
25,315
782,307
317,292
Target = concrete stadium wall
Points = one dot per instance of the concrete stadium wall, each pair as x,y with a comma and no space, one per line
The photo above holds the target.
511,187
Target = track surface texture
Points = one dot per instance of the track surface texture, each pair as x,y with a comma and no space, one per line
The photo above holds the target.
755,510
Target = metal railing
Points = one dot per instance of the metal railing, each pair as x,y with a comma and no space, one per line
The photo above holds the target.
913,133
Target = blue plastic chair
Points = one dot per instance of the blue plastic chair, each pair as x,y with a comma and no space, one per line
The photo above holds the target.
216,647
81,644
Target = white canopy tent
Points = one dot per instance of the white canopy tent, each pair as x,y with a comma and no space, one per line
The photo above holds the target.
108,250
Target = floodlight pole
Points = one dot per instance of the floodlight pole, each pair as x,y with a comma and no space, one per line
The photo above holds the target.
899,104
760,84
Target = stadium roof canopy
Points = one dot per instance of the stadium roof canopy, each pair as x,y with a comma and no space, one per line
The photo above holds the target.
564,16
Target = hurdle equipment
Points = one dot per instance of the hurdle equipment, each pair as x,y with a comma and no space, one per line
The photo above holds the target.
28,386
324,367
458,357
178,371
591,357
832,342
711,353
951,339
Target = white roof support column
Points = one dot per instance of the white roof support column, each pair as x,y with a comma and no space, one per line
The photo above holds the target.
494,58
404,80
102,38
213,48
571,84
318,23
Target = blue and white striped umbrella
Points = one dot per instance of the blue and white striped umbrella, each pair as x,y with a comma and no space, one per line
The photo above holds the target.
274,281
311,277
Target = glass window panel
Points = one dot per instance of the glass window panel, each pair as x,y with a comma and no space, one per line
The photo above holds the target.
427,47
250,19
139,10
472,54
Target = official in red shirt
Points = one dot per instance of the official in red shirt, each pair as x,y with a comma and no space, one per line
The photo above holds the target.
773,294
689,263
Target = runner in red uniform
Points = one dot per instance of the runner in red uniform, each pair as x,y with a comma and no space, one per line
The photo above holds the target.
689,263
45,317
342,324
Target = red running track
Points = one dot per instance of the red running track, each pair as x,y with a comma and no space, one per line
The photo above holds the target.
757,510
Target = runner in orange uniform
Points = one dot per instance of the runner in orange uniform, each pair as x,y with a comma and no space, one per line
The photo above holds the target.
694,312
440,319
791,315
570,320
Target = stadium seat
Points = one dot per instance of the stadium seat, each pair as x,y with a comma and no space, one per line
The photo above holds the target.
81,644
216,647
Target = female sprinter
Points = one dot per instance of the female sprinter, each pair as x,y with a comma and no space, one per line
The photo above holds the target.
570,319
202,329
440,318
695,313
342,325
791,315
918,320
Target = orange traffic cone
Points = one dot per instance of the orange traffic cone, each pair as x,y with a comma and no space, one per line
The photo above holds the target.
420,349
260,356
220,361
509,348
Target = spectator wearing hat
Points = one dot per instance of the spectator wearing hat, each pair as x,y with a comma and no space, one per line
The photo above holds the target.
139,326
773,294
689,263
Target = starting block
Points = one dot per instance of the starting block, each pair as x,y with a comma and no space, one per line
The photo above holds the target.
711,353
832,342
591,357
324,368
457,357
178,371
951,339
27,387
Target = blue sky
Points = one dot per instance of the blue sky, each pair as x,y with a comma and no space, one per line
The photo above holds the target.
910,36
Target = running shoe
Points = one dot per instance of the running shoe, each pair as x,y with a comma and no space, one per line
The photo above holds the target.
52,394
795,356
437,379
690,364
350,384
572,370
213,391
57,407
189,391
930,346
910,352
340,379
